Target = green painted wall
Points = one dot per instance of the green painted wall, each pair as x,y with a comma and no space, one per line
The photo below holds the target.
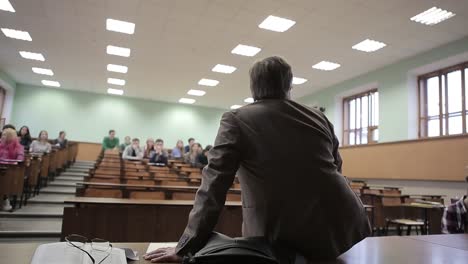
88,116
393,90
6,78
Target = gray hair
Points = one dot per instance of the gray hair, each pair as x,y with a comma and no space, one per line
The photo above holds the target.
270,78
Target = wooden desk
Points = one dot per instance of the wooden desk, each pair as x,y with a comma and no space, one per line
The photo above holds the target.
78,201
379,250
428,225
167,192
432,214
131,220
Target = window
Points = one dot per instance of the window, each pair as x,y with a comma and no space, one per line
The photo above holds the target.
442,104
361,118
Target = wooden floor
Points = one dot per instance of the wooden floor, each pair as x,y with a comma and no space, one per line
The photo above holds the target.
41,219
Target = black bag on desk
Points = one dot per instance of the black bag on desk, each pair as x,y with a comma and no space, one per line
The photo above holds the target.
221,249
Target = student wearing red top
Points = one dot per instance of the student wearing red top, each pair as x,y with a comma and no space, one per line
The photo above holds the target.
10,149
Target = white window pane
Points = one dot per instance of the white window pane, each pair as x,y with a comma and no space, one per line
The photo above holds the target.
376,109
364,136
466,92
444,130
433,96
454,91
433,128
455,125
443,100
358,137
351,138
365,111
375,135
358,113
352,114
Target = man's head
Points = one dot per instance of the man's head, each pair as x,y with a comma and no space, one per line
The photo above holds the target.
128,140
135,143
62,134
270,78
112,134
159,142
191,141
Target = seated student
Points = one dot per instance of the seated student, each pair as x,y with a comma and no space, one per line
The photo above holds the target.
110,142
127,142
191,157
10,149
190,143
158,157
202,159
133,151
41,145
179,150
455,218
8,126
149,148
25,137
61,141
160,142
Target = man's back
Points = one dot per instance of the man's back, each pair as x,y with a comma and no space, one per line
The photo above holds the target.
286,157
292,191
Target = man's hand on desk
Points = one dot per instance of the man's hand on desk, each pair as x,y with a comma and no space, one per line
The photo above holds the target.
163,255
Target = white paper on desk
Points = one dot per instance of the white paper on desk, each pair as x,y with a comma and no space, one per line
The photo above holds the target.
154,246
61,253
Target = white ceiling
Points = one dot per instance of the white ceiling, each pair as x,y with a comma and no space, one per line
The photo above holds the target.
177,42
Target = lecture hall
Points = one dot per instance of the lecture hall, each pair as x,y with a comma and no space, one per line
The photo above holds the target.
233,131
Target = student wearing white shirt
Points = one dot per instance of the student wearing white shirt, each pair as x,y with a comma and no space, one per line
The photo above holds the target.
133,151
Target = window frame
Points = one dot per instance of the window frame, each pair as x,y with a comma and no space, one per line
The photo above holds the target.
423,117
346,126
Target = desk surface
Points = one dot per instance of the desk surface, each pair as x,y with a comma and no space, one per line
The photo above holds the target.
454,241
96,200
382,250
416,205
158,187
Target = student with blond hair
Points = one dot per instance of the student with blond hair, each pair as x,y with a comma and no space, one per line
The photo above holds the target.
10,149
41,145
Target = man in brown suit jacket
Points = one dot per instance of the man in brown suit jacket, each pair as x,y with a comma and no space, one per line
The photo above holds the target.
286,157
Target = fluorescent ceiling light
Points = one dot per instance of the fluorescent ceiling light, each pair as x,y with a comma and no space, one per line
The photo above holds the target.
120,26
5,5
224,68
236,106
245,50
277,24
369,45
326,66
51,83
115,81
196,92
432,16
118,51
32,56
186,100
297,80
117,68
249,100
208,82
115,91
43,71
16,34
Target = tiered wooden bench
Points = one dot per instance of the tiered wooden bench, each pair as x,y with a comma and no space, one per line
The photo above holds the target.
21,180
